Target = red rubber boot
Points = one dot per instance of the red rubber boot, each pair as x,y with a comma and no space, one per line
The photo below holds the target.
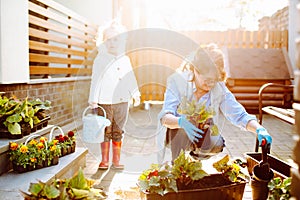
105,155
116,146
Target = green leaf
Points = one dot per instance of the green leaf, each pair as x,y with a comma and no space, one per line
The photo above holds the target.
79,181
31,122
35,120
51,192
80,193
14,128
36,188
14,118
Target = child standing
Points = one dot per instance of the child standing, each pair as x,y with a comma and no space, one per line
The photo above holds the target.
113,85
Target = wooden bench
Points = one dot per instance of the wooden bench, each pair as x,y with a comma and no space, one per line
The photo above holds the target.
285,112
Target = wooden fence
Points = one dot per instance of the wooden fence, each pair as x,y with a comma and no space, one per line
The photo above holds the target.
153,66
60,41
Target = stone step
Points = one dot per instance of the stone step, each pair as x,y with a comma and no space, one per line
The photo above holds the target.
12,182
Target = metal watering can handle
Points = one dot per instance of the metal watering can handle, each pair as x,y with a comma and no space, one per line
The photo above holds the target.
85,110
52,130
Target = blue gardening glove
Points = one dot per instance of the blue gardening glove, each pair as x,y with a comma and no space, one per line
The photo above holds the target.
263,134
190,129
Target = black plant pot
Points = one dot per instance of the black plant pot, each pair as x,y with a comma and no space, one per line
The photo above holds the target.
21,169
260,190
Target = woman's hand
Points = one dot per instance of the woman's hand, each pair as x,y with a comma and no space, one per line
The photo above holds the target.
191,131
263,134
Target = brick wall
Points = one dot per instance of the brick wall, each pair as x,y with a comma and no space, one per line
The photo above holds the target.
68,98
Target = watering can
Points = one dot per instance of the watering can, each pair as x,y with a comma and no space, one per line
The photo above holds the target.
94,126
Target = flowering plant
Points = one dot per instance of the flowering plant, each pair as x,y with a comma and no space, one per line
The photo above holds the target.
53,150
19,154
33,153
71,137
183,173
66,142
38,148
164,178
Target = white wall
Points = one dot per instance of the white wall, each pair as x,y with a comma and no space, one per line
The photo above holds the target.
14,47
97,11
293,19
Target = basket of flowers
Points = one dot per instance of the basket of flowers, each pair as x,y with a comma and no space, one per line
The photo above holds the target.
66,142
33,154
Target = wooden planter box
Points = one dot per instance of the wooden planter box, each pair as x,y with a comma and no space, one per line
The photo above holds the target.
233,191
279,167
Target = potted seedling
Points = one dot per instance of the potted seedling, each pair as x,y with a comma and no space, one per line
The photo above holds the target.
202,117
186,179
18,117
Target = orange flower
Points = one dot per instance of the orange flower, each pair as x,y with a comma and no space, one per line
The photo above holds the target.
55,142
40,145
43,139
13,146
24,149
33,159
53,148
33,142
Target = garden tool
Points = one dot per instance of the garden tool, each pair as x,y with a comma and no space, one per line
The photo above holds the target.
105,155
262,170
262,174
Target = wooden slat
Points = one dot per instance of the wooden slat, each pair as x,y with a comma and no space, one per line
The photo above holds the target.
64,20
51,59
279,114
49,48
55,38
56,70
58,28
252,89
258,82
245,96
68,12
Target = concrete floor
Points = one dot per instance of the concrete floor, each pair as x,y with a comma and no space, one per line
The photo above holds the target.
139,151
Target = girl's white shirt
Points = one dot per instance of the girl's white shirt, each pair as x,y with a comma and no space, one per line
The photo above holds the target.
113,80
